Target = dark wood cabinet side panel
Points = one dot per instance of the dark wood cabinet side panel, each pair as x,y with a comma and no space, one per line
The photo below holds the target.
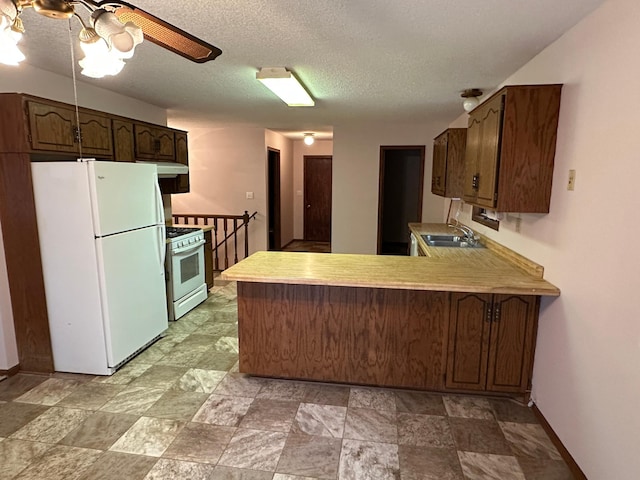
13,124
439,168
472,152
528,148
341,334
511,343
24,265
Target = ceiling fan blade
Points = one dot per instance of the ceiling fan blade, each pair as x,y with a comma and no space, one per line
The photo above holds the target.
166,35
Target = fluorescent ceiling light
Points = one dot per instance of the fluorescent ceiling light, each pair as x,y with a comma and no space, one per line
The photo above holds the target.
286,86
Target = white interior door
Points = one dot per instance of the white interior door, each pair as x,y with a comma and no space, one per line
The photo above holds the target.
132,289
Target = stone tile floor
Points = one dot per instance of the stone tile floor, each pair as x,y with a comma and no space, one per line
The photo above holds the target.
181,410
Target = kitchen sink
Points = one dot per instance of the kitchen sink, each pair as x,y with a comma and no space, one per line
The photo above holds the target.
455,241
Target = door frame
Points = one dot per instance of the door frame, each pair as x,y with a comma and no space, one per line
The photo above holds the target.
275,197
383,150
305,198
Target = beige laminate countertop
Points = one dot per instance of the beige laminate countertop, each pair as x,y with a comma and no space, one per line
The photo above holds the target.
479,270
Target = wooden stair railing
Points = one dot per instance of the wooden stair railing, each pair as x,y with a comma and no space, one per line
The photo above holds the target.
218,221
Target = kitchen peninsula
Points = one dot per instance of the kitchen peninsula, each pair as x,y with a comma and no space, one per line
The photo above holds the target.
453,320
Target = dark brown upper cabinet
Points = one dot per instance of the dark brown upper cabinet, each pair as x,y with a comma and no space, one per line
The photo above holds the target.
54,127
448,163
510,151
154,143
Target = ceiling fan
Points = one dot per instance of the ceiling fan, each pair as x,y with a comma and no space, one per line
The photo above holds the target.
120,24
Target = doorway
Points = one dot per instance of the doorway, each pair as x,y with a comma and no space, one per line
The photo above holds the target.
400,196
317,198
273,191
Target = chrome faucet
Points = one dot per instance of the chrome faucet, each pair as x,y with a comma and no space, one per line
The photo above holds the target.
468,233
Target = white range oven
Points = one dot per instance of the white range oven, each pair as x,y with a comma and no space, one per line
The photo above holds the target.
186,286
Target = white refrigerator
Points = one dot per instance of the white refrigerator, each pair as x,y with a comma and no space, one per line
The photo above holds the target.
102,241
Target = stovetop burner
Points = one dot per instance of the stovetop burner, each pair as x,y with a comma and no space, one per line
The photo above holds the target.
173,232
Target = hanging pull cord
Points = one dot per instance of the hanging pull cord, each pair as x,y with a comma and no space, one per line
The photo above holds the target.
75,90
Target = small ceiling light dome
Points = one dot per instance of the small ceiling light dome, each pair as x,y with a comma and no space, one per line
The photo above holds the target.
470,97
309,139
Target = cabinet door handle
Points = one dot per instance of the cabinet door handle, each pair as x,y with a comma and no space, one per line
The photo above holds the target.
77,135
496,313
488,316
475,181
156,146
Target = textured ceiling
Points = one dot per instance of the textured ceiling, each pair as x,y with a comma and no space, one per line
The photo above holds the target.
400,61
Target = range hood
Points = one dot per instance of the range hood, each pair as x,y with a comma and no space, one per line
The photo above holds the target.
169,169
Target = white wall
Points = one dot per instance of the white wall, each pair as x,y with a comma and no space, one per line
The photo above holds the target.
224,164
586,377
27,79
285,146
356,169
319,147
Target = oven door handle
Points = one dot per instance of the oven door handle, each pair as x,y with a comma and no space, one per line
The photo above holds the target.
188,248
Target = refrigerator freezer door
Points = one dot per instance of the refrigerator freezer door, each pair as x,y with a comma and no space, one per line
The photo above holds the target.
124,196
133,290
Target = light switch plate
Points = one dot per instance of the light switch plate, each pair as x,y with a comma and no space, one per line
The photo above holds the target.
571,185
249,195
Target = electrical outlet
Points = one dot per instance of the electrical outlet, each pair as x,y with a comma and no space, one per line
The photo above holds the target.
518,223
571,185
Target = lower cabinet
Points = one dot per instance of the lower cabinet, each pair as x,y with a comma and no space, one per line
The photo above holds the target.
208,259
491,342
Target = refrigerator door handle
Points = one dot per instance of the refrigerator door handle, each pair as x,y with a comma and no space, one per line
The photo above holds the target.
162,247
159,206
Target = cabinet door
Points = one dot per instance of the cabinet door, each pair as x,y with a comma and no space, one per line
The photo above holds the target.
165,148
489,154
123,144
182,156
52,128
470,191
454,177
439,172
145,145
469,331
512,342
95,134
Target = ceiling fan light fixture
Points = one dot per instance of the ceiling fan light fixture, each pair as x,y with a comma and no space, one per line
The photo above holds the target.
122,38
99,61
309,139
285,85
10,54
470,98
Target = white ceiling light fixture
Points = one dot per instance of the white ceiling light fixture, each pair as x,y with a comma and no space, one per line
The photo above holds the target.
309,139
470,98
285,85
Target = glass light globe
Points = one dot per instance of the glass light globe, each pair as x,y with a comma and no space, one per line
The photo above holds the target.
308,139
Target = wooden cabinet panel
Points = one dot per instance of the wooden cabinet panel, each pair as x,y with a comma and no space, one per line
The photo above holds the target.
343,334
488,158
510,150
123,144
154,143
55,128
52,128
95,134
512,332
208,259
491,342
468,341
448,163
182,156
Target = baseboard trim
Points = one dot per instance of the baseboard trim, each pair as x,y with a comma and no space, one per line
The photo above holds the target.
11,372
575,469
